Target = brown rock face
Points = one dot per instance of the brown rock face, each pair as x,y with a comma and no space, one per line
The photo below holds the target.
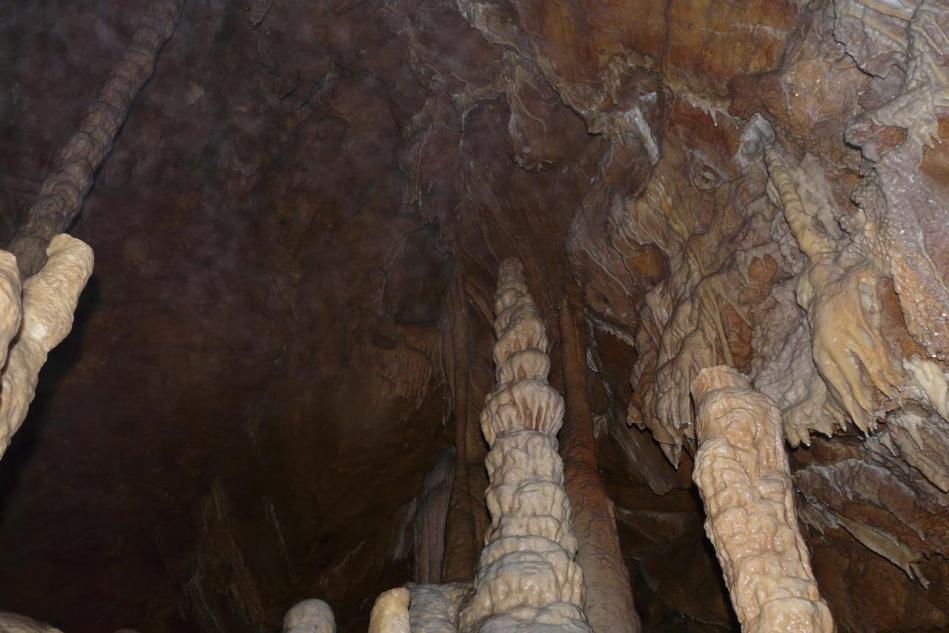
297,233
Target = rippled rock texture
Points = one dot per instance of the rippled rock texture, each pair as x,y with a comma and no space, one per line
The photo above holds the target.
297,233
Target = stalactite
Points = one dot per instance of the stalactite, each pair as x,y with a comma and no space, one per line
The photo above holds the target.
742,473
609,597
527,573
49,300
430,515
62,193
460,547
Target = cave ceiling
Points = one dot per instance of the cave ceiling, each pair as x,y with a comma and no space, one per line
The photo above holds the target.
297,234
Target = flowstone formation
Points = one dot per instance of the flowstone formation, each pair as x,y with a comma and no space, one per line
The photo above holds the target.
742,472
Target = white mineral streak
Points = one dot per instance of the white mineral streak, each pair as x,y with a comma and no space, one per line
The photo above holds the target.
390,613
309,616
49,300
527,578
13,623
63,191
742,473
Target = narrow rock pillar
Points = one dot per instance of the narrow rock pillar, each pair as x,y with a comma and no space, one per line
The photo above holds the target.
609,595
63,191
742,473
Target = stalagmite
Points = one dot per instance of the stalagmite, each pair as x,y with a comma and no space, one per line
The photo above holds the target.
609,597
13,623
390,613
309,616
62,193
527,575
49,300
742,473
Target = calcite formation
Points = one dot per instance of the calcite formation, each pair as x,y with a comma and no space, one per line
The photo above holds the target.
305,209
62,193
48,302
14,623
527,574
390,613
309,616
742,473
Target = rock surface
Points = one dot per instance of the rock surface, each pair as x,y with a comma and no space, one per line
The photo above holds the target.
297,233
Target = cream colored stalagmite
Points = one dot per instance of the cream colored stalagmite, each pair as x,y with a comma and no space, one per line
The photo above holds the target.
527,576
48,301
742,473
309,616
62,193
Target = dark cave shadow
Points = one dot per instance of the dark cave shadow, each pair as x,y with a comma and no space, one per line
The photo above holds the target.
61,360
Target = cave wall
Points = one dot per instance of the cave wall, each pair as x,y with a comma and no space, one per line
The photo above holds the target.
308,197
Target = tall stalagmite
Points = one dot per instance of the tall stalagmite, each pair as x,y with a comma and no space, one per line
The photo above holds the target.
527,574
62,193
609,596
742,473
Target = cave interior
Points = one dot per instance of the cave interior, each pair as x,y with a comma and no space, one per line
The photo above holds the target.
338,242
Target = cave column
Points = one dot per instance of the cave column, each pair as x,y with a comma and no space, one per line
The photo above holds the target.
526,572
609,596
63,191
742,473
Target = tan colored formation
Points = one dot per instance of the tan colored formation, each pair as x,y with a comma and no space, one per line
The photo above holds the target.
48,301
742,473
527,575
526,572
309,616
62,193
390,613
13,623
